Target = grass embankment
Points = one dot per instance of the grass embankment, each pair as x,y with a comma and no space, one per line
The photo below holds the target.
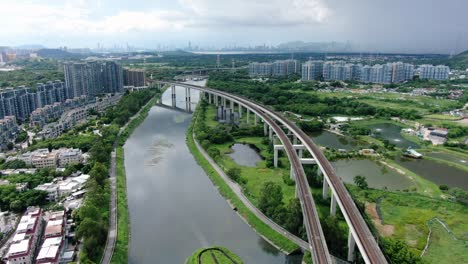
263,229
207,258
123,222
406,216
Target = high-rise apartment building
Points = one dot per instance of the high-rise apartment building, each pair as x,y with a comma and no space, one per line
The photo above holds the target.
136,78
92,78
431,72
260,69
277,68
312,70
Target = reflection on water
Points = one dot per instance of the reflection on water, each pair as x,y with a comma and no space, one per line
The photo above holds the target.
436,172
377,175
391,133
448,157
174,208
244,155
331,140
156,151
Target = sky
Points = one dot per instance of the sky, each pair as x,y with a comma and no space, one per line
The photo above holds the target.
412,26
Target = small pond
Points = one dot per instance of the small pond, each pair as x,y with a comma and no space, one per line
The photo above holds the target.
245,155
392,133
332,140
378,176
436,172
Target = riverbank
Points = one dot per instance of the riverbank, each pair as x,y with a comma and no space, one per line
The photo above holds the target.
263,229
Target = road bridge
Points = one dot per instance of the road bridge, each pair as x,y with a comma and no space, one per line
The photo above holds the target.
359,234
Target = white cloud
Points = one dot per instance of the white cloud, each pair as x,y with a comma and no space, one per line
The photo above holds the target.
257,13
80,18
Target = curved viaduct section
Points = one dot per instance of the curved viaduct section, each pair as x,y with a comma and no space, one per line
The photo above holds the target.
317,243
359,232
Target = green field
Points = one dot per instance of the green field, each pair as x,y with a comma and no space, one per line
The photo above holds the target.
406,217
422,104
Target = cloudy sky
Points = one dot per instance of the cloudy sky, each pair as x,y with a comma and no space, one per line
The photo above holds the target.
370,25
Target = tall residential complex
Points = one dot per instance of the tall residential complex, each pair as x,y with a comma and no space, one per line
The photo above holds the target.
393,72
92,78
134,78
277,68
312,70
22,101
431,72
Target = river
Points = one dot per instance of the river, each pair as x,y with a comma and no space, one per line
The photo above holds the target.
174,208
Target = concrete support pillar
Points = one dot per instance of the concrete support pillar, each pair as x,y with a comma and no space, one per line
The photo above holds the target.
275,157
240,111
294,140
265,127
256,119
300,153
325,189
293,176
333,205
351,247
248,116
189,101
224,102
173,95
232,104
209,98
270,133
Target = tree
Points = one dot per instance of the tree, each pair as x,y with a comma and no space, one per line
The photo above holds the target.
294,219
99,172
271,198
17,206
234,173
334,232
361,182
398,252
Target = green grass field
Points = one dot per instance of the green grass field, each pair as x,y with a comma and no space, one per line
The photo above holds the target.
408,215
123,223
445,247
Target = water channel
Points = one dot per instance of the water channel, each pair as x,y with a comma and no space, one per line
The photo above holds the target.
174,208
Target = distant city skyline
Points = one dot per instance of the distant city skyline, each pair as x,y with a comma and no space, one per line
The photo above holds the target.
417,26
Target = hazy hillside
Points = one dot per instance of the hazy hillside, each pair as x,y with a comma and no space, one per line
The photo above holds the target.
459,61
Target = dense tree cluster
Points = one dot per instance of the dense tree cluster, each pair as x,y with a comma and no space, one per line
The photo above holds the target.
271,204
33,72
